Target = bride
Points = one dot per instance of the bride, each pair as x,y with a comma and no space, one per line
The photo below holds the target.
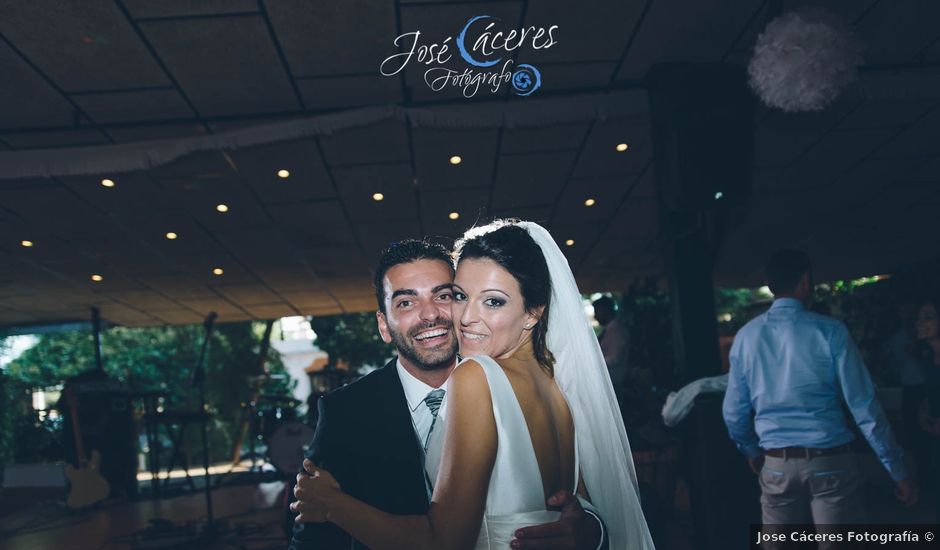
531,411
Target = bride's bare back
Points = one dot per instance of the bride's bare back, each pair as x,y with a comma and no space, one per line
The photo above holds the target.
546,413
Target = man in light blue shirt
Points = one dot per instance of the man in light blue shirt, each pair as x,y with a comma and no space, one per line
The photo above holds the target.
795,376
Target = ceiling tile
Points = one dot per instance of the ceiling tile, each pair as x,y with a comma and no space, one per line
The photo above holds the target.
358,184
308,178
607,194
135,106
675,30
433,152
349,91
582,33
178,8
224,65
317,223
878,30
81,45
246,294
156,132
531,179
543,138
600,158
327,38
385,141
33,101
376,237
54,138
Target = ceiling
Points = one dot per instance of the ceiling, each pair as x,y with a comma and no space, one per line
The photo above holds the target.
857,185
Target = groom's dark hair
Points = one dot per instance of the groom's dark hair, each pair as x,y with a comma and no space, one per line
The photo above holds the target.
403,252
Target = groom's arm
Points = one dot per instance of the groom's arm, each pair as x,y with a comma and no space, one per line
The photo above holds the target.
576,528
320,536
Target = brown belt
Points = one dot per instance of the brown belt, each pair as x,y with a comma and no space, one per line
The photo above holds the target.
808,452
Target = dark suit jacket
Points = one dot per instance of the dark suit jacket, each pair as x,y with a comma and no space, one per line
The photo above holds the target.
365,438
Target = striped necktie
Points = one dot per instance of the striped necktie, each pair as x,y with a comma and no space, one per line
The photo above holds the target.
433,400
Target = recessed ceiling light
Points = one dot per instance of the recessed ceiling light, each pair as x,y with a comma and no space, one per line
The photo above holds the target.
569,242
222,207
453,215
97,278
171,235
455,160
218,271
378,197
283,173
107,183
26,244
590,202
621,147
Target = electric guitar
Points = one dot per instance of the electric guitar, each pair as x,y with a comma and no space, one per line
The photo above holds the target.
87,485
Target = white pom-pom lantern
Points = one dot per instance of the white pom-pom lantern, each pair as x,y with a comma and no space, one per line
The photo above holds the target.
803,60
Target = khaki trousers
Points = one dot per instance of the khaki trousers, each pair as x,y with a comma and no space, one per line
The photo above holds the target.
825,490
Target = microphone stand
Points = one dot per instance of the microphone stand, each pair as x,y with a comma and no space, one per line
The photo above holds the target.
199,381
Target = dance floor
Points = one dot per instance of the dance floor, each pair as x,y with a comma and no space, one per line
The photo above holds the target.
247,517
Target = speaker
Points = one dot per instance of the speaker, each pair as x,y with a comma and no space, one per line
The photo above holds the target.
702,118
106,424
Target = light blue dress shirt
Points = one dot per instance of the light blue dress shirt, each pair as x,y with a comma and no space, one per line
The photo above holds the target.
793,374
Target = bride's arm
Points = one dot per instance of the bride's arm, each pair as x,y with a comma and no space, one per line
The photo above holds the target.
459,499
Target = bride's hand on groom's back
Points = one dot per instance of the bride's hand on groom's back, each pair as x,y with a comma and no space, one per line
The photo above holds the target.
574,530
314,491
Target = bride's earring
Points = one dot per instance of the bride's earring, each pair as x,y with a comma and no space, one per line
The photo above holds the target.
528,326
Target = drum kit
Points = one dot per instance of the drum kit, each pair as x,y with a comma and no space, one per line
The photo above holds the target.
276,433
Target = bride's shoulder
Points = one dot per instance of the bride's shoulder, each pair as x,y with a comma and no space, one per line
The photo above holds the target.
469,378
468,368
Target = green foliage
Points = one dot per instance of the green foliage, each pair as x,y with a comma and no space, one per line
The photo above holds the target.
736,306
733,301
353,338
154,358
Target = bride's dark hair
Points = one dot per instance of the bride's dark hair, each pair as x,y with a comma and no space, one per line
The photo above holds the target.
511,246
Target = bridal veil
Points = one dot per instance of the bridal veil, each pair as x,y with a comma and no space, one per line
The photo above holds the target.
581,373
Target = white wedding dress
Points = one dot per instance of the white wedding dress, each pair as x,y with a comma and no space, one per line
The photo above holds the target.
516,497
603,457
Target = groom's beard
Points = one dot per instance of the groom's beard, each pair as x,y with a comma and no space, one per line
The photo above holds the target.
440,357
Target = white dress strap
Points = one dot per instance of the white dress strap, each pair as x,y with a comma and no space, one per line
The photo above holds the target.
577,465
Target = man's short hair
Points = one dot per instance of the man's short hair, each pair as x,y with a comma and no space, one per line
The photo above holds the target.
784,270
403,252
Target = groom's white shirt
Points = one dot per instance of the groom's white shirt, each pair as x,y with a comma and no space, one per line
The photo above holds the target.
415,392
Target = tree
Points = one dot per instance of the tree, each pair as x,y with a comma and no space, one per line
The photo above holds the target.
352,338
156,358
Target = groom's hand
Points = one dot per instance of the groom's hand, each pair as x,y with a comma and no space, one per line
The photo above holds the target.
314,490
574,530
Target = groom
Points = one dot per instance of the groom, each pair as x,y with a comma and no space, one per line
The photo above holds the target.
371,434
